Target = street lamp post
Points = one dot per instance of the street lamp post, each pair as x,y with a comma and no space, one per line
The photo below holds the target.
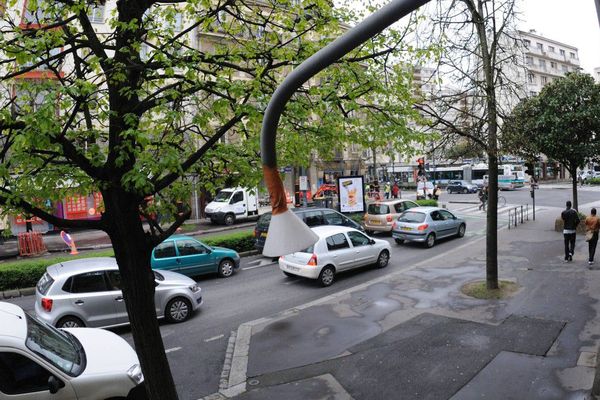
287,233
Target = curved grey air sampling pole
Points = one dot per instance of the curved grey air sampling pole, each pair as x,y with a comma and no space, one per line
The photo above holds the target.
287,233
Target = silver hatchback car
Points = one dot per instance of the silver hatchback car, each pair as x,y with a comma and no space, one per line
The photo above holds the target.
426,225
87,292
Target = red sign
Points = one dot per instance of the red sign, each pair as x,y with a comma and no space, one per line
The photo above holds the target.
76,207
21,220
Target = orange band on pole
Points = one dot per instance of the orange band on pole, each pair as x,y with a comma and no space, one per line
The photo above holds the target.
276,190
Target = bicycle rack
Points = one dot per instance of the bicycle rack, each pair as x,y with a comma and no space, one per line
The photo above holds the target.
518,215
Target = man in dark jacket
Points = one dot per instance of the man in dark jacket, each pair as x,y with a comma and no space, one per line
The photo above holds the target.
571,220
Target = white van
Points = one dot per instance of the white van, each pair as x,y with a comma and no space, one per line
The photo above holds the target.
231,204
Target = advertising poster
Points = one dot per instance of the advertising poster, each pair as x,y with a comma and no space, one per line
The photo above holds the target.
351,194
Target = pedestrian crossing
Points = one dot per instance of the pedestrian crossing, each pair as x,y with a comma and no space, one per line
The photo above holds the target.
473,211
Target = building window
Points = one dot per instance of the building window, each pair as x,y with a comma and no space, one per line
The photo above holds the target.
565,69
544,80
540,47
527,43
551,49
532,93
573,55
529,60
543,64
562,52
531,77
552,65
97,14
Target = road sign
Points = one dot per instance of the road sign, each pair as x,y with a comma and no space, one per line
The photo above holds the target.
303,183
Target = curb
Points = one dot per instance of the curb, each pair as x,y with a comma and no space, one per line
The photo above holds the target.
463,202
11,294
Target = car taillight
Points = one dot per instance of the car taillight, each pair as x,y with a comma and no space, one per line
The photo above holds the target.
423,227
389,218
313,260
47,304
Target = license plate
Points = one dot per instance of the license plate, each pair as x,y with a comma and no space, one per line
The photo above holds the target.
375,222
264,234
406,228
292,268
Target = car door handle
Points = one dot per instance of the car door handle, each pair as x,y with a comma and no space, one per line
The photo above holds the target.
120,298
79,302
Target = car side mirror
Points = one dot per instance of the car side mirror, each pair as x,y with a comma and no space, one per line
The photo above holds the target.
55,384
372,241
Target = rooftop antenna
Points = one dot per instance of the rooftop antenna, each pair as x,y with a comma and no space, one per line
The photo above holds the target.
287,233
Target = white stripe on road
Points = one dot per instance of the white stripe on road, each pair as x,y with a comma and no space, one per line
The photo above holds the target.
258,266
173,349
212,339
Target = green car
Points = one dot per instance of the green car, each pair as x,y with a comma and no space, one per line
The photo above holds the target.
190,257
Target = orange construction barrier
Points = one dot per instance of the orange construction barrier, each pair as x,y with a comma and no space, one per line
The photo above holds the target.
31,244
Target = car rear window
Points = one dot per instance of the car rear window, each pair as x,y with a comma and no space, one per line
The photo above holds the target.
264,221
378,209
44,283
412,217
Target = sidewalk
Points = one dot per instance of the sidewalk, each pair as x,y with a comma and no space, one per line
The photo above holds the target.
94,240
413,335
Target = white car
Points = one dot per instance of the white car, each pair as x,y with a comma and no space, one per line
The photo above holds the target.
338,249
38,361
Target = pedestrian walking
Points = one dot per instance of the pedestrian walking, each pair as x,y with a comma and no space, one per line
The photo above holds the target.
571,220
592,224
388,190
437,191
483,197
396,190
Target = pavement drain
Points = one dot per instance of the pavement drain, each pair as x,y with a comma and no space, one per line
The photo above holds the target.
253,382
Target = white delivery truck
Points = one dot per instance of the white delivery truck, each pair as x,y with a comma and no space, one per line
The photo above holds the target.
231,204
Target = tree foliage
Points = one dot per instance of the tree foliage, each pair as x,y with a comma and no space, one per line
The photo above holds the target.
562,122
165,94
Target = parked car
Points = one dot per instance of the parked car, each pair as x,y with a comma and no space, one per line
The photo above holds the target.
381,215
310,216
338,249
39,362
87,292
461,187
191,257
426,225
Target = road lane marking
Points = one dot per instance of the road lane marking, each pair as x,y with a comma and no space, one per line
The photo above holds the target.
173,349
212,339
264,264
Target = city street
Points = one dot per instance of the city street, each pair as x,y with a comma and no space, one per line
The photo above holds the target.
197,348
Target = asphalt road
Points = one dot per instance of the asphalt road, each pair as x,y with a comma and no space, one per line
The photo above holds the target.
196,348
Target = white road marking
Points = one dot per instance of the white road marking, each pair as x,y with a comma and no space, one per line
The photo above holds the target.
264,263
214,338
173,349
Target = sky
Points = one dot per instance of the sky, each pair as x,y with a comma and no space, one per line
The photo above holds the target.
572,22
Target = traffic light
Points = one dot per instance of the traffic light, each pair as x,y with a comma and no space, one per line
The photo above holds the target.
421,166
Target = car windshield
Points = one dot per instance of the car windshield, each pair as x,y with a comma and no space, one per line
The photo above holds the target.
223,196
411,217
59,348
378,209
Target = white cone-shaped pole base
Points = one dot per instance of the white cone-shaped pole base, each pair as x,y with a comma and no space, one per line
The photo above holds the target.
287,234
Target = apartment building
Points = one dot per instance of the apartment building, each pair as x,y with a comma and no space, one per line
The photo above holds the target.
546,60
597,74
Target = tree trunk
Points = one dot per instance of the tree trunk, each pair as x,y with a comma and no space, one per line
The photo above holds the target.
573,171
132,248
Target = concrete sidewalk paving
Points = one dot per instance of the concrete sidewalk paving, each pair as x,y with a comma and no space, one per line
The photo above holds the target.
413,335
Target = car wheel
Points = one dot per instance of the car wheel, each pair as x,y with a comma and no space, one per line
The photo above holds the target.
327,276
430,241
70,322
178,310
461,230
383,259
288,274
399,241
465,191
226,267
229,219
449,191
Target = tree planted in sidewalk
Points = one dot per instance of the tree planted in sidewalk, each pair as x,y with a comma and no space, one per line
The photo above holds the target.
476,73
139,100
562,122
